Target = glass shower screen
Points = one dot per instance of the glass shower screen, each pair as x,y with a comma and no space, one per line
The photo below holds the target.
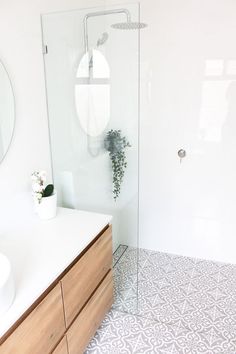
92,80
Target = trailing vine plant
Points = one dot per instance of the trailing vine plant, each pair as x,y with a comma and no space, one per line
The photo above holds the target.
115,144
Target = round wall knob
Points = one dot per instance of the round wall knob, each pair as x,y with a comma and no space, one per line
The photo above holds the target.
181,153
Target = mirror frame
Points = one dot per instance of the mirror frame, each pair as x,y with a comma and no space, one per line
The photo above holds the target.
14,111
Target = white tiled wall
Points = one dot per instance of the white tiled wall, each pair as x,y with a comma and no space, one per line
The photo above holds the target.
188,61
21,52
187,101
81,165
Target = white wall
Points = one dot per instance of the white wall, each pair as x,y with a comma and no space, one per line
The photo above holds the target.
187,209
81,165
20,51
188,101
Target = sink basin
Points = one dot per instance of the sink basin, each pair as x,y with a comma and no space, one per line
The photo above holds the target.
7,288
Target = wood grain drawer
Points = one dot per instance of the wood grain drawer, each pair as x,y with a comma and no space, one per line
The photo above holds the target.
87,322
41,330
81,281
62,347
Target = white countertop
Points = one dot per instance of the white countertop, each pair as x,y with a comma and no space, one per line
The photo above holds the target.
40,251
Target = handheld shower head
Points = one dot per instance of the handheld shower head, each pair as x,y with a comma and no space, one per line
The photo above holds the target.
103,39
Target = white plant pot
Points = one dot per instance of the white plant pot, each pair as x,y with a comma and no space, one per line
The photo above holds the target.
47,208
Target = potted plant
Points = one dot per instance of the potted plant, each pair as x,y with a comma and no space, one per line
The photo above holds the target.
116,145
45,197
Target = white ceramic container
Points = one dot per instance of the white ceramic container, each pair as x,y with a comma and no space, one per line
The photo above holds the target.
7,286
47,208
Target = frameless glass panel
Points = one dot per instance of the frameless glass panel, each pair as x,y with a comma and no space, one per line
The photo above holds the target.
92,76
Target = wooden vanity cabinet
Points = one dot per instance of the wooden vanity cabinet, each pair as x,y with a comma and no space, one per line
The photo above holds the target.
41,330
87,322
62,347
81,281
65,320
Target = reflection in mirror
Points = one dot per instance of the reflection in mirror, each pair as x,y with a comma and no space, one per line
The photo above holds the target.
92,93
7,112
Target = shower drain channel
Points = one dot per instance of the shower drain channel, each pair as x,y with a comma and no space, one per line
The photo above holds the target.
119,252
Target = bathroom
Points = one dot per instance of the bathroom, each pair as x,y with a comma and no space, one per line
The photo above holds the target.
170,86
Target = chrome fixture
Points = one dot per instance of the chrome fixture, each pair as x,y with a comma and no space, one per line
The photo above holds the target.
128,25
100,42
89,53
103,39
182,154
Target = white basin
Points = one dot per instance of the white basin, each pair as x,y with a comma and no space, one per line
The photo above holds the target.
7,288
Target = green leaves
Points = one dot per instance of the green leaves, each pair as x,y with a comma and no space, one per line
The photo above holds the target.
115,144
48,191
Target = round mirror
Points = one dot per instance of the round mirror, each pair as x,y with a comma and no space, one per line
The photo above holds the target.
7,111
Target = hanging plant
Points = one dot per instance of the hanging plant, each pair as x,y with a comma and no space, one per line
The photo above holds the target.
115,144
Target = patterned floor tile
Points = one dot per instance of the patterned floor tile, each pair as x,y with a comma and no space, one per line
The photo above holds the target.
125,333
193,301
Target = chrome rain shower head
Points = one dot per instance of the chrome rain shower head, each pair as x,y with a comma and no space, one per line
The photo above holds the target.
129,25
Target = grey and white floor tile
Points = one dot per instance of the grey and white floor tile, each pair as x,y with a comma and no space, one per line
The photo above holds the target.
176,305
125,333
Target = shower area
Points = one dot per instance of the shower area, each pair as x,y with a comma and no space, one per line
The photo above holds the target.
141,120
93,88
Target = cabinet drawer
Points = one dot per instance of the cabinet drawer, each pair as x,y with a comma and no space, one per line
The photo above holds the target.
81,281
41,330
62,347
87,322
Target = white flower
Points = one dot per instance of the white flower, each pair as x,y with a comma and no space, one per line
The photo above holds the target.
42,175
37,197
35,176
38,176
37,187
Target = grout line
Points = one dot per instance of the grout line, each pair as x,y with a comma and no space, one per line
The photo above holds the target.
144,263
136,343
104,332
218,282
191,277
190,282
214,314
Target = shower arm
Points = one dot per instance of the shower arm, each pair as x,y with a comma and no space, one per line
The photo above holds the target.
101,13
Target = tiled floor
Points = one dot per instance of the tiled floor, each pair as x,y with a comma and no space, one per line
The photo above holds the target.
184,306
